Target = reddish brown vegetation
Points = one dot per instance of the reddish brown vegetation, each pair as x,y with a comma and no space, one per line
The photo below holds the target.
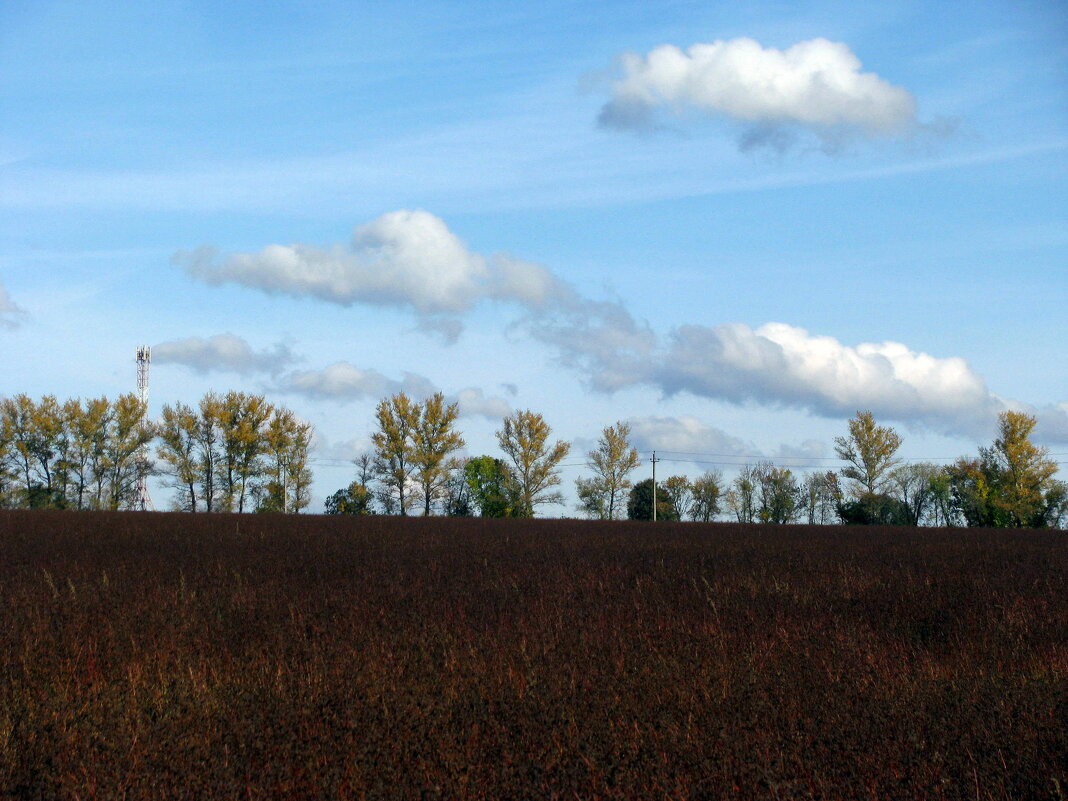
178,656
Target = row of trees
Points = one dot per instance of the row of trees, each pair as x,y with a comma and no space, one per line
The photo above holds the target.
1012,483
75,454
238,452
413,465
233,452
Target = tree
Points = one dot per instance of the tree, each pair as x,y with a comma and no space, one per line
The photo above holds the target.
456,495
209,455
355,499
870,450
777,493
398,418
741,497
125,455
914,488
706,492
87,425
492,486
820,496
7,471
942,510
179,430
640,503
612,460
285,467
874,510
592,498
1011,484
242,421
365,469
524,438
1026,472
680,493
433,439
235,451
33,432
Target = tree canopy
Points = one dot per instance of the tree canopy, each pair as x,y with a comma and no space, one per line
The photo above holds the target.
524,438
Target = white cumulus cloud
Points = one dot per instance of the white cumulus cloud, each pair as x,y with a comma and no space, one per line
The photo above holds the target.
405,258
816,85
783,364
777,365
223,352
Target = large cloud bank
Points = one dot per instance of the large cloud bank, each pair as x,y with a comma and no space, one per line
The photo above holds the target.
411,259
782,365
406,258
815,85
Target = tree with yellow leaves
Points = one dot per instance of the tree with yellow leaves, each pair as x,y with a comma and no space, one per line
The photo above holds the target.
524,438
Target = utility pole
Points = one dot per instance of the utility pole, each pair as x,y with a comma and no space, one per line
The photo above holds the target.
655,460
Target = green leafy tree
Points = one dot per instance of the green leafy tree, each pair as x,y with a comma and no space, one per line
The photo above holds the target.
492,486
640,503
611,461
209,438
34,432
870,450
1027,474
355,499
524,438
874,510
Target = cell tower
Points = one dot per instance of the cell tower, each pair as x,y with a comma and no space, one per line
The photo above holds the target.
144,356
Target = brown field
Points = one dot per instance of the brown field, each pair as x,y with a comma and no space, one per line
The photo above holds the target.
264,657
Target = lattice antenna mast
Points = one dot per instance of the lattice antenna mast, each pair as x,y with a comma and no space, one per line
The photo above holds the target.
144,357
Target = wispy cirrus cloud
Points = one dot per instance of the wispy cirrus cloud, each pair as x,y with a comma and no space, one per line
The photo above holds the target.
11,314
223,353
343,381
815,86
686,438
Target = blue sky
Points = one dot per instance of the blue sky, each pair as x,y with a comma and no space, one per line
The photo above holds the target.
708,219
